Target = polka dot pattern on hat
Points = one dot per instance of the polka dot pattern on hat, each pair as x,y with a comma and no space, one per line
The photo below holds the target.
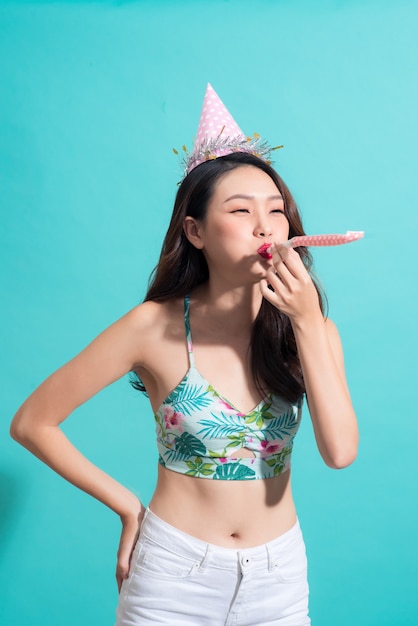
215,119
218,135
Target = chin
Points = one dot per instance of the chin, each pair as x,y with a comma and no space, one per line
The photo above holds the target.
259,275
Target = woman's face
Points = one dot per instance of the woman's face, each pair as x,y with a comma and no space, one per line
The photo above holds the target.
246,210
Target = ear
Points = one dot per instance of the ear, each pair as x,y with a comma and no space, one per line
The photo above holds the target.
193,231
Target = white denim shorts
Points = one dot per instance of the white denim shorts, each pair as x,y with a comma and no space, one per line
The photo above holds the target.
178,580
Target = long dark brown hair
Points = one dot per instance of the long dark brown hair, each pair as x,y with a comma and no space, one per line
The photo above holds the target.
274,360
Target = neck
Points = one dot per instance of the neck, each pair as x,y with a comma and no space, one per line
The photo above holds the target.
238,306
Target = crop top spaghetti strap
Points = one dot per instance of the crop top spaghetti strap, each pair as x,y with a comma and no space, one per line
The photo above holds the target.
198,430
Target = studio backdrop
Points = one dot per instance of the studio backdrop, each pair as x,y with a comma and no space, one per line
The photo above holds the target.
93,97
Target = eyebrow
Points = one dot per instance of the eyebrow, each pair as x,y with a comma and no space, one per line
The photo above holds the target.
242,196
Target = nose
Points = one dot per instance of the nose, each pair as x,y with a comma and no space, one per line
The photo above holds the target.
262,229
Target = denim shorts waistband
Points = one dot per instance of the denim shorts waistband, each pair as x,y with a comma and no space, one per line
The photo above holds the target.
176,541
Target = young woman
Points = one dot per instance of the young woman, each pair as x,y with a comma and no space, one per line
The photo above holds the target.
226,345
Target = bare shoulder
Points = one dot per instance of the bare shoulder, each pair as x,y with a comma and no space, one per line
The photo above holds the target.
161,351
144,316
152,323
332,331
331,328
153,317
334,340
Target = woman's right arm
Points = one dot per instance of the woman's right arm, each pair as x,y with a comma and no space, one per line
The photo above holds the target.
116,351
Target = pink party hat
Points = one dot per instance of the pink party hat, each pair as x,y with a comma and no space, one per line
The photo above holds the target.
218,134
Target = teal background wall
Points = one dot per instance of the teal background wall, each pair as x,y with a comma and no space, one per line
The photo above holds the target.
93,97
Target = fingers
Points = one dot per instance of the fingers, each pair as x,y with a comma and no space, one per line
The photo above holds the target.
268,293
124,559
288,285
287,258
278,274
128,539
285,269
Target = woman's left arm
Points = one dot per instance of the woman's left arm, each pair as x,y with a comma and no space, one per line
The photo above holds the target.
321,357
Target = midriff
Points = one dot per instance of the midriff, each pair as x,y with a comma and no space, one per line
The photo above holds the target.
232,514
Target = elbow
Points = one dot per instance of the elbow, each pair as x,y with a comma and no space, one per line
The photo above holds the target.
341,462
18,429
343,453
340,459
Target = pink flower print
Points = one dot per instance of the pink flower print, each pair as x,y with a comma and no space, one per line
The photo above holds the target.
173,419
223,460
225,404
271,447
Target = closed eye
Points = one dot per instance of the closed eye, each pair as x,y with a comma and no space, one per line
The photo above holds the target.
242,210
278,211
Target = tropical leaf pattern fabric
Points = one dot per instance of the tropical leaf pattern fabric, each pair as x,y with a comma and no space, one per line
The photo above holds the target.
200,433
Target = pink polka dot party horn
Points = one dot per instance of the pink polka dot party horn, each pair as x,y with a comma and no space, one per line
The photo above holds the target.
313,240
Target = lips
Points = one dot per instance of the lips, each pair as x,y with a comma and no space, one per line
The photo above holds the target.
264,251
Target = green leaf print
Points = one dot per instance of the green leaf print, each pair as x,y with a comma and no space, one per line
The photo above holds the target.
278,469
186,398
233,471
282,426
185,446
259,415
236,441
220,426
199,468
278,461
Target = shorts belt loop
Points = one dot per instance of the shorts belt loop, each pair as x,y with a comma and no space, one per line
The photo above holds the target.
206,559
270,558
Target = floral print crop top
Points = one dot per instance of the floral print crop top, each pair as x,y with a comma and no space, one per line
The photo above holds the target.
198,430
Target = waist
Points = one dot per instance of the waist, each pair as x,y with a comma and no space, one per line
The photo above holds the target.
227,513
175,540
